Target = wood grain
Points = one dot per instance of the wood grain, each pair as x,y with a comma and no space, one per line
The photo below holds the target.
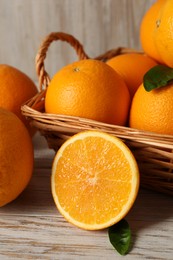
32,228
99,25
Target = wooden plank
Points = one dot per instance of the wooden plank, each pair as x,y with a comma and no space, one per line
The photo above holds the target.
32,228
99,25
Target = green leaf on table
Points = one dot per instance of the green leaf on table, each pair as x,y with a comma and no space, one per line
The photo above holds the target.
120,236
157,77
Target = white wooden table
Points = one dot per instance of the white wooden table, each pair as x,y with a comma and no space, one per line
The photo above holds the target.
32,228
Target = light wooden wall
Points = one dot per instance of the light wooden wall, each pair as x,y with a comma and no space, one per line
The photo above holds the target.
99,25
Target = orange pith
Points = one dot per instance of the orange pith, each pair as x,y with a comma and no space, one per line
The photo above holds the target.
95,180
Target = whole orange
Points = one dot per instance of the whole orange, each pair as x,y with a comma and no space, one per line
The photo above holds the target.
16,88
164,35
153,111
156,32
89,89
17,157
148,26
132,67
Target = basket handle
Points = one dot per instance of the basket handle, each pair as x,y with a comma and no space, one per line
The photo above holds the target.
43,76
115,52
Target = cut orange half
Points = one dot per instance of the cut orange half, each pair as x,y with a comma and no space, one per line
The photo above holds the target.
95,180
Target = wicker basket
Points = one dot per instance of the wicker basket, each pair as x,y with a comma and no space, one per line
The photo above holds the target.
153,152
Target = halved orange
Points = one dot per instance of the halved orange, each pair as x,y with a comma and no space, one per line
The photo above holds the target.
95,180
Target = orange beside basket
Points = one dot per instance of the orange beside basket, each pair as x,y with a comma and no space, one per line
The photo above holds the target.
153,152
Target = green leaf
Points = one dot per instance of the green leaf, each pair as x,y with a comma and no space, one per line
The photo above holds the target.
120,236
157,77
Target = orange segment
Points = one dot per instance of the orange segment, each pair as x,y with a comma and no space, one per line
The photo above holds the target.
95,180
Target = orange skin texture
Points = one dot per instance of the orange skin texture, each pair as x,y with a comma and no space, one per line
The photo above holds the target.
16,88
89,89
17,157
147,30
164,33
153,111
132,68
156,32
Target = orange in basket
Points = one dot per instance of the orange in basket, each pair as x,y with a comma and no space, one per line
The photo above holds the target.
132,67
148,26
156,32
95,180
153,152
89,89
153,111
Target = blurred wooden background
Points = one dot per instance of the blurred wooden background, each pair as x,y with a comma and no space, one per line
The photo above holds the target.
100,25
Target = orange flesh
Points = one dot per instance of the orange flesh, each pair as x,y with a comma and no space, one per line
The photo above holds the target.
102,190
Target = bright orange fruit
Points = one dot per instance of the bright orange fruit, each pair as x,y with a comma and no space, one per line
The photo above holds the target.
156,32
147,30
132,68
16,88
164,36
153,111
95,180
89,89
17,157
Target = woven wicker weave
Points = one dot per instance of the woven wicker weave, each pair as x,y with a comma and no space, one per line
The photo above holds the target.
153,152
